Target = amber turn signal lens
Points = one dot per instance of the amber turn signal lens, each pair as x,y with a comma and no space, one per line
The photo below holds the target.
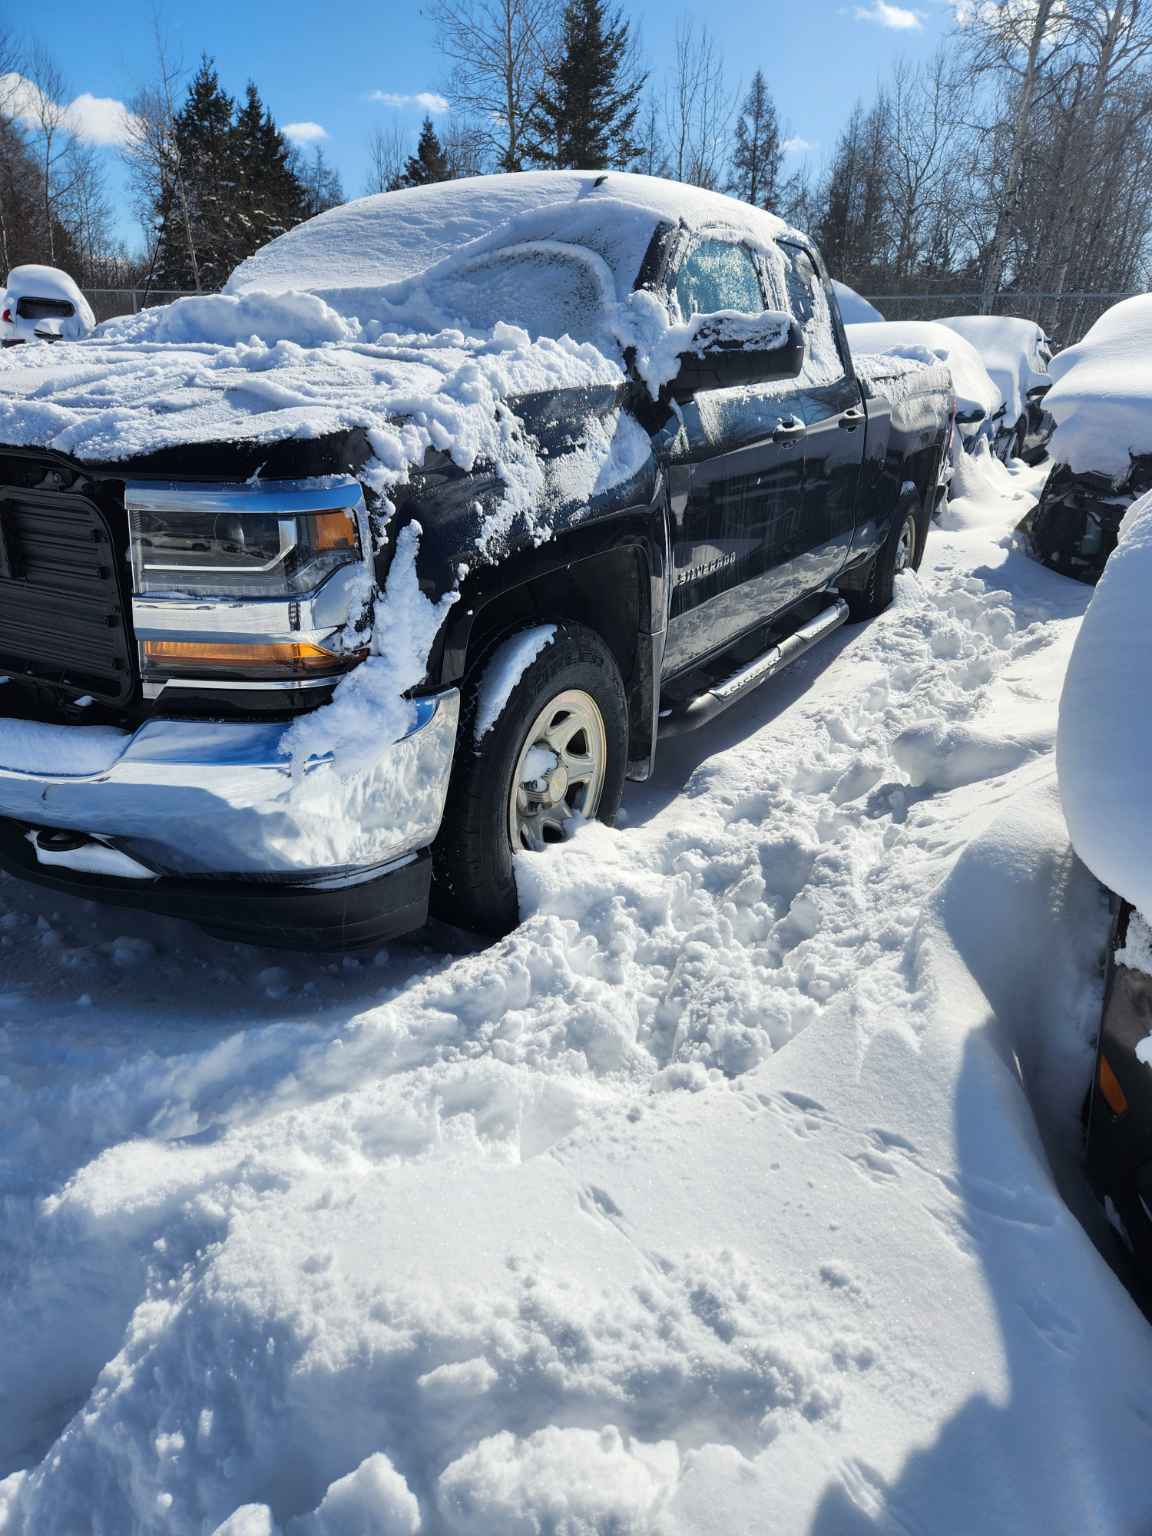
333,530
264,659
1111,1089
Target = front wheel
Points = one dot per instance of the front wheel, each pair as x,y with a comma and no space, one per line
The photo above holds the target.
901,551
543,745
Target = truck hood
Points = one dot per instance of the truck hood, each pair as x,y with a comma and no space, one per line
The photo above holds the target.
262,369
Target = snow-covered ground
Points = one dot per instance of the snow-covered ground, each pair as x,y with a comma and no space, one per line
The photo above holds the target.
719,1197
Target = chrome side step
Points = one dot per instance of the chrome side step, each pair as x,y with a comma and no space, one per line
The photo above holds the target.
721,696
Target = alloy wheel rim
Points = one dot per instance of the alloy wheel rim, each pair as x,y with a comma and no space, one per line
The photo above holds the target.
559,772
906,545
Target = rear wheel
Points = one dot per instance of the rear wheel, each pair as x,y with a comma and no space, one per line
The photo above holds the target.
902,551
554,755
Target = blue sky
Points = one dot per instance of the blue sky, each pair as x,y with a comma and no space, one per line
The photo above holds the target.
322,64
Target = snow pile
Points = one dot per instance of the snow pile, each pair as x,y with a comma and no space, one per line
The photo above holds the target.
929,341
1010,350
1105,744
854,310
712,1198
1102,395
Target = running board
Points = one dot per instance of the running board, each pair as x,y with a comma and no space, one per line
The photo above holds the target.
721,696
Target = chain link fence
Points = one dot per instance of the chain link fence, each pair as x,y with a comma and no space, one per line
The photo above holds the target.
108,302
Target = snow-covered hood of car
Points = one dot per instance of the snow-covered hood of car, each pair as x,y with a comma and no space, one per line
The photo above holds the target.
258,368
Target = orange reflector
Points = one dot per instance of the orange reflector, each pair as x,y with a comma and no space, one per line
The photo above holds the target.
1111,1089
333,530
291,657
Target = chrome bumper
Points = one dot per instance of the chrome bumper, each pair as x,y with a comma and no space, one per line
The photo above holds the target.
190,798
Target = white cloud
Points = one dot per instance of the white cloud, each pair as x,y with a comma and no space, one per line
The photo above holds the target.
796,145
304,133
95,119
427,101
100,119
894,16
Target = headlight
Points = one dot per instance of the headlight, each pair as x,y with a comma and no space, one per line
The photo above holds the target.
256,585
238,554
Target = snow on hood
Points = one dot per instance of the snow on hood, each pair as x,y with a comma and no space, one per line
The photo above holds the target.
1104,748
854,310
1008,349
1102,395
927,341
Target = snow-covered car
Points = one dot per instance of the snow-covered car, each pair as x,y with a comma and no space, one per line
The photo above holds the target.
1104,748
397,557
1016,354
43,304
979,403
1101,448
854,309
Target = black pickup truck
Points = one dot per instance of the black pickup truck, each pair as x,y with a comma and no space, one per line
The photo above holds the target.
202,568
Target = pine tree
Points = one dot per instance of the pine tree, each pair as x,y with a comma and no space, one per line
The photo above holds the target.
585,113
272,198
757,155
205,145
428,164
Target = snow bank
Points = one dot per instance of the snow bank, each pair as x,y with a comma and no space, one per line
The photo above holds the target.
1009,349
854,310
711,1199
1102,395
929,341
1105,742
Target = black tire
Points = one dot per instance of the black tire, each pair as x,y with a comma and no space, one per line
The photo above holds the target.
473,881
902,550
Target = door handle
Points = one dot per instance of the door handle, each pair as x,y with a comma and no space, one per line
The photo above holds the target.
788,430
851,419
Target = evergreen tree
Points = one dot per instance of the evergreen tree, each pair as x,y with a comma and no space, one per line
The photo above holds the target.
206,217
428,164
585,113
757,155
272,198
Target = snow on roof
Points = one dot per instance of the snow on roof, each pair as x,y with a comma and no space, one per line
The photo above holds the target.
397,235
1102,397
33,281
1008,348
853,309
927,341
1104,747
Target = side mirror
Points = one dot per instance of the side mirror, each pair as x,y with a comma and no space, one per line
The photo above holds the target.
730,349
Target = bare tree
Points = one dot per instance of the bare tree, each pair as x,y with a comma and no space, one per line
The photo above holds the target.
498,49
698,107
387,153
54,141
152,154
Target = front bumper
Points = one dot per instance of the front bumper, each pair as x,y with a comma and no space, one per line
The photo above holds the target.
197,802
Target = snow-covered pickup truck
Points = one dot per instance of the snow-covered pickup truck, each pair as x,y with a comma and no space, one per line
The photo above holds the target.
345,585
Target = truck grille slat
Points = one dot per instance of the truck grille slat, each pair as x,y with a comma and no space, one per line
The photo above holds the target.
63,613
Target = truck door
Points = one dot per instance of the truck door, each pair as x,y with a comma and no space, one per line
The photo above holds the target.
736,471
835,420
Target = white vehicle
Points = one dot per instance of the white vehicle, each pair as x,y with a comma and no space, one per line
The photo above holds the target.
43,304
854,309
979,403
1016,354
